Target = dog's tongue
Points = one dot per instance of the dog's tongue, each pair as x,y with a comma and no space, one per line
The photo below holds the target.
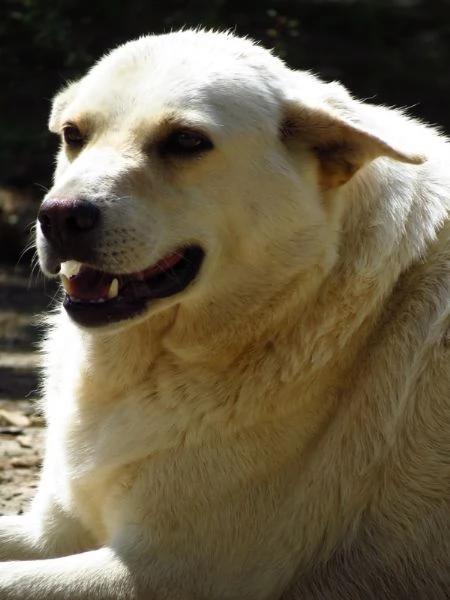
89,284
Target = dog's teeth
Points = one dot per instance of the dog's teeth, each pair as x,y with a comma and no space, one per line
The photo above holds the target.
113,289
70,268
66,284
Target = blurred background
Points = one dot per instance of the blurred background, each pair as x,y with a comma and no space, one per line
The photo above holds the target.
391,51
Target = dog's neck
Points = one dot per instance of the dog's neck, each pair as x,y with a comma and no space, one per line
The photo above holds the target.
307,322
315,317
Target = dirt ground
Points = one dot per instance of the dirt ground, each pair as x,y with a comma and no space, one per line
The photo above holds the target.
21,447
22,299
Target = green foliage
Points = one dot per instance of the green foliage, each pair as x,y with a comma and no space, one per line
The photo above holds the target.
395,50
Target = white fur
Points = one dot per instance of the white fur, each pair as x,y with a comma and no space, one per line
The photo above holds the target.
280,428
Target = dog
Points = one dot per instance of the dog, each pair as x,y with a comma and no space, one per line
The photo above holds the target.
247,382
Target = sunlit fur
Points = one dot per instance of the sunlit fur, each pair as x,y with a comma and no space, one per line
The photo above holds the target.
280,429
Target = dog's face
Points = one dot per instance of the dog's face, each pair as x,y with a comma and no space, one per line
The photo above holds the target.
191,170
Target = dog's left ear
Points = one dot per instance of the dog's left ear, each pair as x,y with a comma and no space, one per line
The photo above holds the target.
341,146
60,101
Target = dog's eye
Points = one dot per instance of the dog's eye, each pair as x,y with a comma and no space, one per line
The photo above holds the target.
185,142
73,136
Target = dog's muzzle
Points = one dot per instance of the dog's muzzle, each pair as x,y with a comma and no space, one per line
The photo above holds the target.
93,296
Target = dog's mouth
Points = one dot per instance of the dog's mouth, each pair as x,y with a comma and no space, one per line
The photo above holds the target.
96,297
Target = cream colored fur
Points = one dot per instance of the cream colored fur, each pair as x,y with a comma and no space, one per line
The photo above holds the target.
281,429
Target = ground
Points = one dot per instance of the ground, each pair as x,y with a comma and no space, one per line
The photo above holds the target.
20,454
22,299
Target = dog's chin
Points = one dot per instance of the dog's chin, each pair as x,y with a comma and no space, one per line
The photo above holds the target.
99,299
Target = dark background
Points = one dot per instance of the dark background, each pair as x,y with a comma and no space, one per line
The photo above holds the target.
395,52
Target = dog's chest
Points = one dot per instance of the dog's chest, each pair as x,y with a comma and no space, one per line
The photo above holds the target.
99,445
98,497
104,436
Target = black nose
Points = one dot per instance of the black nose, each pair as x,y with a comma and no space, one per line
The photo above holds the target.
67,224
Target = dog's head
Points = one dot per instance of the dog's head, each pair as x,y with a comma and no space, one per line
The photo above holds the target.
195,166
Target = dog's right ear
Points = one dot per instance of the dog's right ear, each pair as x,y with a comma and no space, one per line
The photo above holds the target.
60,101
325,119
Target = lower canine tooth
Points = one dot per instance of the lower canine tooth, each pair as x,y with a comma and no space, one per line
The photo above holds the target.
113,289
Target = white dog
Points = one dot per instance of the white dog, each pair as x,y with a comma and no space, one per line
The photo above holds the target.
247,385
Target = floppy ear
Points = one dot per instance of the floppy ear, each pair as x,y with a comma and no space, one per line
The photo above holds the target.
60,101
341,146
